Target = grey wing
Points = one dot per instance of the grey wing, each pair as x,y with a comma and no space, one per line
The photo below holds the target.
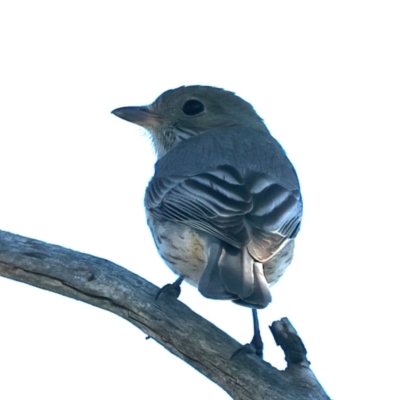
250,210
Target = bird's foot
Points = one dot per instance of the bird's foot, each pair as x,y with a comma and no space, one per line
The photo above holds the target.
256,345
171,289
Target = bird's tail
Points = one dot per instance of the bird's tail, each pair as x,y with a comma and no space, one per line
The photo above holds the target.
232,274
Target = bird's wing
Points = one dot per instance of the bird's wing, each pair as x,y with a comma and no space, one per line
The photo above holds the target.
240,202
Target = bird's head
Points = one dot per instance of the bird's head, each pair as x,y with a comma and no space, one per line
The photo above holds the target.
187,111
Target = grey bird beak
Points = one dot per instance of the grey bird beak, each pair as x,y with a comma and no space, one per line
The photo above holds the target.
142,116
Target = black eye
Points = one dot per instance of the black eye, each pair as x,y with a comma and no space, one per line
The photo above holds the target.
193,107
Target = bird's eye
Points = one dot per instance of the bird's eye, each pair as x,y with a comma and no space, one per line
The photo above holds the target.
193,107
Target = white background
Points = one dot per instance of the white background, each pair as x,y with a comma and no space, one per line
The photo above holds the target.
325,78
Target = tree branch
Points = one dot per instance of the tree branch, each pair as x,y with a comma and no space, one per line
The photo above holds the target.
168,321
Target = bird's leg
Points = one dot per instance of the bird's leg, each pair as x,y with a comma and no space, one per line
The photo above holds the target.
257,342
256,345
172,289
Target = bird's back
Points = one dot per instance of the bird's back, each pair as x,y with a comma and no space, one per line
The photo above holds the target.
235,188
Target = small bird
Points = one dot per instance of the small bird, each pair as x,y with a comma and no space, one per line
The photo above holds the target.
224,205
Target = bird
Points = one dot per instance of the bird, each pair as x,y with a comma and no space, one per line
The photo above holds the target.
224,205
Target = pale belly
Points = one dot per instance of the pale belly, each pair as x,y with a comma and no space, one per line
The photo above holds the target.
181,247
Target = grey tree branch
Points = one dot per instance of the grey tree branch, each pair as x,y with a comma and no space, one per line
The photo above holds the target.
168,321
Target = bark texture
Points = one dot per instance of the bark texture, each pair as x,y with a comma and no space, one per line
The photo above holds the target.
168,321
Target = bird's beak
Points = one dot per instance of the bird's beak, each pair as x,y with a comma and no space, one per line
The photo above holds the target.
142,116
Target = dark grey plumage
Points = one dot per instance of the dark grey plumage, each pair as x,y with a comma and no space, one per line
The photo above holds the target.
224,204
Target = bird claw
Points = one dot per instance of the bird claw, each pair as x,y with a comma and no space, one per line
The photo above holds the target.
254,347
257,344
171,289
245,349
